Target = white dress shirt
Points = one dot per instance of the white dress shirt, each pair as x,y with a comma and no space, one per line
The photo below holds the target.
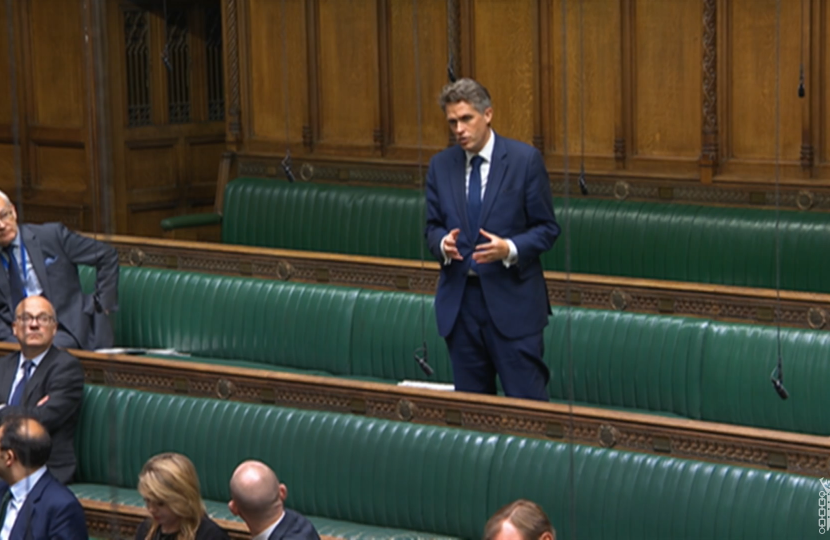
20,491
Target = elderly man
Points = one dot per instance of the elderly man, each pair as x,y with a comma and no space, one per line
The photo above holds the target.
259,499
35,505
42,260
44,382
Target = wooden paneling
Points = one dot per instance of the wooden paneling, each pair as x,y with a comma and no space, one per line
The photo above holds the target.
57,66
348,73
150,166
5,75
667,80
598,99
409,82
822,76
202,161
506,48
7,168
752,92
60,169
270,74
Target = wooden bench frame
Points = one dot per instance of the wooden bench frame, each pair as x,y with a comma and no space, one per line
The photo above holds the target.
684,438
719,302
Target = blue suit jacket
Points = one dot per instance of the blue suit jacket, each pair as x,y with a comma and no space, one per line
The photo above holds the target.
50,511
294,527
517,205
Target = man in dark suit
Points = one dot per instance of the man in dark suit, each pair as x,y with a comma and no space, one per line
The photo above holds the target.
44,382
489,218
42,260
34,504
259,499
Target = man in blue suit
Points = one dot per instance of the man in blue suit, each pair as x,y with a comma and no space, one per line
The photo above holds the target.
34,505
489,219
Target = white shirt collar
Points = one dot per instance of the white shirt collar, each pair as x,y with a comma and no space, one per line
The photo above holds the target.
21,489
486,152
267,532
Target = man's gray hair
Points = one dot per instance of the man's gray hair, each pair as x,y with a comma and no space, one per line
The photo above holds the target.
5,197
465,90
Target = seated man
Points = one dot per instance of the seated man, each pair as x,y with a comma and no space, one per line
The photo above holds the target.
258,498
519,520
42,260
44,382
35,504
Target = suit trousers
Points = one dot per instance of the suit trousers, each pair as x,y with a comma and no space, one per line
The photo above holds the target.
478,351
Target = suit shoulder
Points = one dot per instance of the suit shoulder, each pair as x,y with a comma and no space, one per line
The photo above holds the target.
519,148
445,156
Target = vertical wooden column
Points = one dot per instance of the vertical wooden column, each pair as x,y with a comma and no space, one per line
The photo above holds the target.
709,150
807,152
231,44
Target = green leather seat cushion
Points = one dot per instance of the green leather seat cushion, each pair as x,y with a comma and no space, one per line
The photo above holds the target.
434,479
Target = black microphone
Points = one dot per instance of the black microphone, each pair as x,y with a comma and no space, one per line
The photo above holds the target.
421,355
583,187
286,167
801,90
777,380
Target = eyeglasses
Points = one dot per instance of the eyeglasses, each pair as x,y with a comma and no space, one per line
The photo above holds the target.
43,319
6,215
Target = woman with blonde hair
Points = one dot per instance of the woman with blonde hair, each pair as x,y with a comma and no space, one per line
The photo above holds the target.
170,487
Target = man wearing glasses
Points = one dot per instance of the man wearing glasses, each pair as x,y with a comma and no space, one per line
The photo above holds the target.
43,382
42,260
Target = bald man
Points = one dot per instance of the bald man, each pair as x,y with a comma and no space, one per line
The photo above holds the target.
259,499
44,382
38,506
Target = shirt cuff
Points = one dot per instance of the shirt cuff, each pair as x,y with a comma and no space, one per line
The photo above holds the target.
447,260
513,256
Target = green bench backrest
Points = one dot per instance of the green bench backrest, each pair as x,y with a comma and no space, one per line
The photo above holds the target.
729,246
695,368
437,479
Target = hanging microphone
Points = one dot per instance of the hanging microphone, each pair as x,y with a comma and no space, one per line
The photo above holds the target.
421,355
801,90
286,166
777,379
583,187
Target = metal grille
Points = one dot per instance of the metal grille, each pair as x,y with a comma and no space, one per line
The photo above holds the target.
137,67
213,53
177,61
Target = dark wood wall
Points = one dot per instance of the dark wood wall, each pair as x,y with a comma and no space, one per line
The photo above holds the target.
679,99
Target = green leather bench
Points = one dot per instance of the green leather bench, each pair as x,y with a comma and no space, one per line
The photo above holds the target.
359,477
693,368
728,246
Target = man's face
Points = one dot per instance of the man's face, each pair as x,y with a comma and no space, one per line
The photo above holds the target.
470,127
8,224
34,324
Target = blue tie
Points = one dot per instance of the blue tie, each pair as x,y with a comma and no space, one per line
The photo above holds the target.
17,396
474,195
15,282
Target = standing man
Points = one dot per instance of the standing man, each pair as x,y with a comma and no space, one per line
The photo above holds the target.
259,499
42,260
35,504
43,382
489,219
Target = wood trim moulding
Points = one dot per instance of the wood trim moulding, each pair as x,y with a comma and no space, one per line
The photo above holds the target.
719,302
114,520
644,433
619,184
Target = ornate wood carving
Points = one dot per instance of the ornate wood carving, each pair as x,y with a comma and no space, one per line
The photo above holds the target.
234,126
805,454
709,155
631,294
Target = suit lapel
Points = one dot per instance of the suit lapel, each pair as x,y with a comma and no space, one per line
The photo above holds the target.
24,518
35,254
8,369
38,375
498,167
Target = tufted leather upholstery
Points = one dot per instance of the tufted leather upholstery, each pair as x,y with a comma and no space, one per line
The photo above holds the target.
694,368
344,471
729,246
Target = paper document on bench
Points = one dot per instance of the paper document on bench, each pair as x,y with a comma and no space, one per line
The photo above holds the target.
428,385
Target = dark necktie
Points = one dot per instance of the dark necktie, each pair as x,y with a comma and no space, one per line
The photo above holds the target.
18,390
474,195
15,282
4,505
